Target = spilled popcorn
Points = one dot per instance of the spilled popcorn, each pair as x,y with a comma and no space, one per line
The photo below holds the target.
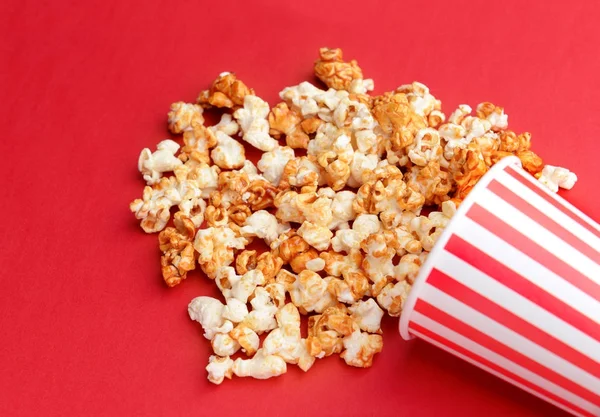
336,197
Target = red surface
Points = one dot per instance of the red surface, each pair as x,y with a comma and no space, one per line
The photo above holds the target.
86,325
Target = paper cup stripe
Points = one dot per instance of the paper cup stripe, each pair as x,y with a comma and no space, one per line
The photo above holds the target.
501,368
562,205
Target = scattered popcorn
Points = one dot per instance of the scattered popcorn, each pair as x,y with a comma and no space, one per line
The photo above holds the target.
219,368
226,91
184,116
367,315
209,313
360,347
286,342
229,153
153,164
261,366
554,177
337,210
253,122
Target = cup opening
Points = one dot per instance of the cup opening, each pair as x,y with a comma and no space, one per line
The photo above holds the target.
426,268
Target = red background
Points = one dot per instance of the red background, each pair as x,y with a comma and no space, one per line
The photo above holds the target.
86,325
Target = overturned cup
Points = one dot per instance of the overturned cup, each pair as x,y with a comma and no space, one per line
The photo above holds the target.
513,287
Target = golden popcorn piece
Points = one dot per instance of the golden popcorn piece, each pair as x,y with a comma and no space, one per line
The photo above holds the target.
270,265
469,168
334,72
178,252
326,331
285,121
184,116
197,143
245,261
226,91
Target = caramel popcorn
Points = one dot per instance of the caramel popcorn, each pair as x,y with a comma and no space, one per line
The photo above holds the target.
178,252
326,331
334,216
334,72
184,116
226,91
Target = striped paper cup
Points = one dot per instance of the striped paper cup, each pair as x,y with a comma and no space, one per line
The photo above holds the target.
513,286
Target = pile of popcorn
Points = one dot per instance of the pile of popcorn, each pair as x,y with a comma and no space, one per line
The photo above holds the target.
336,196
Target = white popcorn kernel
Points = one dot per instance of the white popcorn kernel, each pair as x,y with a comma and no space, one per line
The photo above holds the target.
226,125
263,225
316,264
253,122
286,341
236,286
367,314
309,292
235,310
153,164
224,345
273,162
360,348
554,177
219,368
319,237
229,153
360,86
208,312
262,317
261,366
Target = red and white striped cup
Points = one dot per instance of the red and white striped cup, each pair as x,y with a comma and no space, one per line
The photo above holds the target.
513,286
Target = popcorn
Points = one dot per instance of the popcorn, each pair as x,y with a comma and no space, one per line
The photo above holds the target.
426,147
219,368
253,122
309,292
229,153
178,252
326,331
283,120
393,296
367,315
334,72
246,338
263,225
286,342
224,345
197,143
348,239
153,164
239,287
360,348
153,207
184,116
554,177
421,101
262,317
261,366
344,215
273,163
319,237
215,247
226,91
208,312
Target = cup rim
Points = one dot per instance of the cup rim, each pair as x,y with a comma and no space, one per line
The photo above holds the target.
426,268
